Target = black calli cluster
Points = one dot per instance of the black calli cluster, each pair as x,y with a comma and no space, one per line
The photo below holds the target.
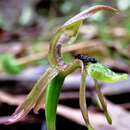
85,59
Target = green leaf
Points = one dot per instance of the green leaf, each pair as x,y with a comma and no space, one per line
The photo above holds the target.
10,65
103,73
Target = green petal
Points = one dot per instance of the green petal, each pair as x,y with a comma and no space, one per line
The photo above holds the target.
103,73
102,101
82,98
33,99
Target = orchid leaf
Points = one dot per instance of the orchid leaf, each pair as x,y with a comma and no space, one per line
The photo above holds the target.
33,97
102,73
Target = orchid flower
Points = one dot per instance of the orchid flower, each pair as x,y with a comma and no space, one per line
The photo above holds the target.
45,92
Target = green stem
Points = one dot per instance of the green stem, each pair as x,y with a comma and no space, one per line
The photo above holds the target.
52,96
71,67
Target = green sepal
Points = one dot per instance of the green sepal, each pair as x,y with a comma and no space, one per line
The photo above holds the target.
102,73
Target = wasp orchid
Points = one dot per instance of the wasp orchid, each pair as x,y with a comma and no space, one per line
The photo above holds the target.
45,92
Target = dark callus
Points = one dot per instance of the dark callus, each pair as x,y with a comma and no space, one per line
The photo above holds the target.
85,59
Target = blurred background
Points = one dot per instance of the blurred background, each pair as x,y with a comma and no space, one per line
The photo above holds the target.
26,29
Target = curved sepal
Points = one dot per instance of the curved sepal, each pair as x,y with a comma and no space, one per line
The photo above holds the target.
87,13
69,30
